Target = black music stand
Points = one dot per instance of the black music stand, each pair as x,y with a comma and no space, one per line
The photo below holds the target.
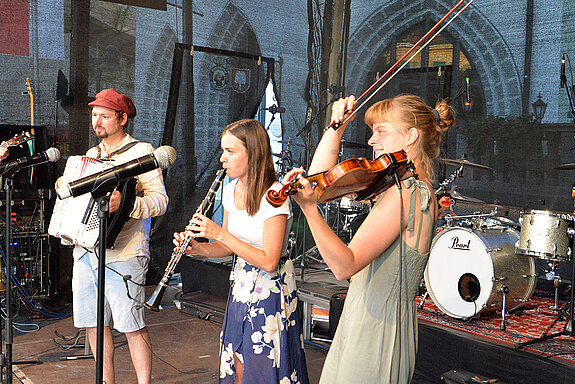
568,330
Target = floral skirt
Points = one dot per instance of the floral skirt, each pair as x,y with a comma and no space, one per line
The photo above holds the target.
263,327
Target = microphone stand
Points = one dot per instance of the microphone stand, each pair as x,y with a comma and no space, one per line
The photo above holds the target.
100,195
6,359
564,83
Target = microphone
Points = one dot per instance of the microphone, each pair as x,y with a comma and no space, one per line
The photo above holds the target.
51,155
163,157
467,93
563,79
275,109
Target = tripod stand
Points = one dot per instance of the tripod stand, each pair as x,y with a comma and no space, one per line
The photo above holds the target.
568,330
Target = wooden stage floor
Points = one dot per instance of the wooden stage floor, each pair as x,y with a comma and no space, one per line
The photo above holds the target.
185,349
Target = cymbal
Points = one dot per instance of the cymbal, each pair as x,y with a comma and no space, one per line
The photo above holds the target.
353,144
466,163
567,166
458,196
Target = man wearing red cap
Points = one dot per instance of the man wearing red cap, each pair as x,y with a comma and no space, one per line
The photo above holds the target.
127,261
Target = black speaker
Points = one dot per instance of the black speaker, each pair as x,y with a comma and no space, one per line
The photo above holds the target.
205,276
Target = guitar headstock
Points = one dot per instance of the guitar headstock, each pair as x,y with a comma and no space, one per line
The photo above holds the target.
28,86
18,139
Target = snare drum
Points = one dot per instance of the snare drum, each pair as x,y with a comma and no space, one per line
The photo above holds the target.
467,270
544,235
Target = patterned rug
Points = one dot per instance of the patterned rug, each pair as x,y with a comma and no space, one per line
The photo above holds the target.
526,323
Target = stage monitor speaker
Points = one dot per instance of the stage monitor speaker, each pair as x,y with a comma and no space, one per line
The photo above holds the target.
208,277
41,177
335,308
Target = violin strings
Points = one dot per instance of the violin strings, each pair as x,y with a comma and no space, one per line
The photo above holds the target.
354,112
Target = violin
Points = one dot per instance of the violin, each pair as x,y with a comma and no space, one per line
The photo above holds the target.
360,176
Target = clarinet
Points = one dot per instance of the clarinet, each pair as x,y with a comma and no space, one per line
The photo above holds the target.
153,302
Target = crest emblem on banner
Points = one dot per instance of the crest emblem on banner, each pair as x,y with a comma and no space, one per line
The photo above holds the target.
240,80
218,77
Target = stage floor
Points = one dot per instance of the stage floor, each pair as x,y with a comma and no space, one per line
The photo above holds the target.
185,350
186,347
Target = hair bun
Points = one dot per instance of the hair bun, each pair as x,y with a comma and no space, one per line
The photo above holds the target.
446,117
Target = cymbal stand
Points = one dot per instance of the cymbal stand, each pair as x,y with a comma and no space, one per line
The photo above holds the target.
568,330
284,162
449,180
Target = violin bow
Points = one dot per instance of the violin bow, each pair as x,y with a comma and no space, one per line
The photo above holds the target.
382,81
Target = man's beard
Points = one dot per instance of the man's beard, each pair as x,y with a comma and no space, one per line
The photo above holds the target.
101,134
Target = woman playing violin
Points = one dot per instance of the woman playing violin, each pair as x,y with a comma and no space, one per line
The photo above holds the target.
376,339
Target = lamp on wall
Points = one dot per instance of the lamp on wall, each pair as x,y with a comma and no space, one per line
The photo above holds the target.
539,107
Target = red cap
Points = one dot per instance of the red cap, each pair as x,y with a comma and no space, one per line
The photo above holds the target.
110,98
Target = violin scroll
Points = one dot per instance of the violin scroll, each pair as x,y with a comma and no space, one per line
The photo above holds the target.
277,198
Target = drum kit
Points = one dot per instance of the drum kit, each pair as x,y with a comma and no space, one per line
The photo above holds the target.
485,263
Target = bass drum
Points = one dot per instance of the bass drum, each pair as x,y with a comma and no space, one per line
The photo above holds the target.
468,270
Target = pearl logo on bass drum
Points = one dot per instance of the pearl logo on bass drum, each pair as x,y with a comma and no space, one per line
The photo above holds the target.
455,244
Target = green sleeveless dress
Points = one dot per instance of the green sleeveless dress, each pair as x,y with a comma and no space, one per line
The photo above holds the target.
376,338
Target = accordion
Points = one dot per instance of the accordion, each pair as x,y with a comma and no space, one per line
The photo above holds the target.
75,219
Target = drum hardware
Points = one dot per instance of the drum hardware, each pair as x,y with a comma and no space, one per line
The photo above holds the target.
503,290
290,142
458,196
422,302
568,330
551,275
344,216
285,162
506,221
460,163
312,255
477,221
